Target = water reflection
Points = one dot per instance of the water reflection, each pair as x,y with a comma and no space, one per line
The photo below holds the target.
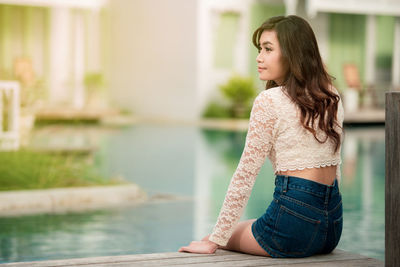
363,190
148,228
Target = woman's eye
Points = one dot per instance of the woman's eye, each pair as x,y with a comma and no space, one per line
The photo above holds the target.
268,49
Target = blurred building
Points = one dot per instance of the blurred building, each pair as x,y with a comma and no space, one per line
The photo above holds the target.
359,41
165,58
49,47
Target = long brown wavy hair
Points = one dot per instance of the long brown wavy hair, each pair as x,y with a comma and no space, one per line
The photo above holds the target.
306,82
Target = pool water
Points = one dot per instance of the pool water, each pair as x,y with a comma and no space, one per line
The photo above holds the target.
194,165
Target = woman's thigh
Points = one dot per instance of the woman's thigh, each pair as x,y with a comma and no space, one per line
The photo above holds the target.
242,240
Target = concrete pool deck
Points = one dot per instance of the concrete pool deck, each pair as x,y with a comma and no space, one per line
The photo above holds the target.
220,258
114,118
360,117
24,202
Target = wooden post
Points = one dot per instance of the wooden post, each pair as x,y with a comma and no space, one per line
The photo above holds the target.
392,183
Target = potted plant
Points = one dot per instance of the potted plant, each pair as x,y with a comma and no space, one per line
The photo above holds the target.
94,84
32,94
239,91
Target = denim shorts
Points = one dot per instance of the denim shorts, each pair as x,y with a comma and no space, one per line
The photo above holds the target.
304,218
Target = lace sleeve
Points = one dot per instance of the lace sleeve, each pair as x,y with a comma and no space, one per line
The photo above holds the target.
257,147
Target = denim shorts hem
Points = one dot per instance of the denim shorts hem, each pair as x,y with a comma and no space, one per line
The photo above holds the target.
269,250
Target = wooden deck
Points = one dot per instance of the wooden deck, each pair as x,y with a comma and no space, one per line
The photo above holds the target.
221,258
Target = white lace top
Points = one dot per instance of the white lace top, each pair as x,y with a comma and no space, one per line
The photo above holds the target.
275,131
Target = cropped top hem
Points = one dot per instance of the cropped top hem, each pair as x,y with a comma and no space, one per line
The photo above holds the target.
303,167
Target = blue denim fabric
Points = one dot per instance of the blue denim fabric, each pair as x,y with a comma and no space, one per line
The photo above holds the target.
304,218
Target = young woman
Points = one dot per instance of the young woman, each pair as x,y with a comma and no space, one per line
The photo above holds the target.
297,124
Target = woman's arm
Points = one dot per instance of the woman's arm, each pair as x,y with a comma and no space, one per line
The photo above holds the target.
257,147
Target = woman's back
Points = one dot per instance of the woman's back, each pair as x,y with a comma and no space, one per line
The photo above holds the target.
294,150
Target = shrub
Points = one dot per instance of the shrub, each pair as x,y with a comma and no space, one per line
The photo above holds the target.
239,91
216,110
25,169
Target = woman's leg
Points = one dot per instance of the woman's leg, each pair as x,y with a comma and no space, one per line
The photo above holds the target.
242,240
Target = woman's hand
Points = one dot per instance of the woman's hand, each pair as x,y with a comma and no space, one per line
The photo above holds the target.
201,247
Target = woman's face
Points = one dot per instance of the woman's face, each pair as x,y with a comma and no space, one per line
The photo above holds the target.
269,59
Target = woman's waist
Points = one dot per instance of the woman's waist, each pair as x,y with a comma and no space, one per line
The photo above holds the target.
287,184
323,175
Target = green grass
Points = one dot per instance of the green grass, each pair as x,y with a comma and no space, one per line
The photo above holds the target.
24,169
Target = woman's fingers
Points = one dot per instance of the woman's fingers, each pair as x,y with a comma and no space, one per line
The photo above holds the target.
201,247
182,249
190,248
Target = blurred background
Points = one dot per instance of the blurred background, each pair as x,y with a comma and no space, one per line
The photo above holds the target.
164,58
130,90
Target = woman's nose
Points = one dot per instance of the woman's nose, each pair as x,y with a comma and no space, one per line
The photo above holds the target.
258,59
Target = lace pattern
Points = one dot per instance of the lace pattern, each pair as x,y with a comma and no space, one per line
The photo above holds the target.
257,147
275,132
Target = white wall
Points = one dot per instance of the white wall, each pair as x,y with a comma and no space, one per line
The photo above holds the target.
320,26
210,76
152,69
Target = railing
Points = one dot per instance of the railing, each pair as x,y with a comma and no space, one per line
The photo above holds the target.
9,115
392,184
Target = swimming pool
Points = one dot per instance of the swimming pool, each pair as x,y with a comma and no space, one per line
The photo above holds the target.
195,165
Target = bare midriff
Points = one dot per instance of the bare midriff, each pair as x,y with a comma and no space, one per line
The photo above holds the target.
323,175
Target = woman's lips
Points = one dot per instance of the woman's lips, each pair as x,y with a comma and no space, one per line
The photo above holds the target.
260,69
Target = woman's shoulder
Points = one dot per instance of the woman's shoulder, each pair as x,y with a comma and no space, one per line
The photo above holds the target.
273,95
269,101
